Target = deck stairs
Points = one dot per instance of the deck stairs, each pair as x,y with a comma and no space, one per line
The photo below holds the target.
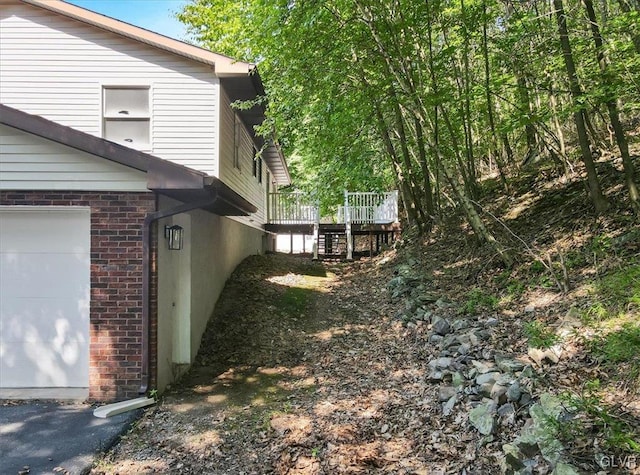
371,214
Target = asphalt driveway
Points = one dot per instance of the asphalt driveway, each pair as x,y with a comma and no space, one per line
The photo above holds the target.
49,437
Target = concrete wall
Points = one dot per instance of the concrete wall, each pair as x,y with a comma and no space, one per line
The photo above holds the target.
191,280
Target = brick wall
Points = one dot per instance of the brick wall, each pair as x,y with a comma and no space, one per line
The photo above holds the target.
116,283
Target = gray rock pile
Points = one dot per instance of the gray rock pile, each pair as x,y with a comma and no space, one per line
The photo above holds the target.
488,389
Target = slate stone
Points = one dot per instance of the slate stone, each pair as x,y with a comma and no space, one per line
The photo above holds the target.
441,326
448,406
491,322
483,367
482,419
446,392
509,365
499,393
514,391
435,376
487,378
442,362
460,324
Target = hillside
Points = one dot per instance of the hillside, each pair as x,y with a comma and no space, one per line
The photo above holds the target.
430,358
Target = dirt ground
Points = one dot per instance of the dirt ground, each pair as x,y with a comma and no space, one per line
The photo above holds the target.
302,370
308,368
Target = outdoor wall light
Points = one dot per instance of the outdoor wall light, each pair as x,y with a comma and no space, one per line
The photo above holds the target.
174,236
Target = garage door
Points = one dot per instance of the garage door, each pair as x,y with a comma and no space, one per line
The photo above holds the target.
44,298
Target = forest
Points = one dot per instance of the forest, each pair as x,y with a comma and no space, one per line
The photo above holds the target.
432,97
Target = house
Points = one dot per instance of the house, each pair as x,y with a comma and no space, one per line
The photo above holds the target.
117,143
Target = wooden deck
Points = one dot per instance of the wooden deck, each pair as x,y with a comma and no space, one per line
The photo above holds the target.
374,215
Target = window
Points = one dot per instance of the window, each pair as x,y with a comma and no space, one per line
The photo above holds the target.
259,170
126,116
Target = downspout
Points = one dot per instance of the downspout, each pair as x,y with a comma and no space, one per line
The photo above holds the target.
149,219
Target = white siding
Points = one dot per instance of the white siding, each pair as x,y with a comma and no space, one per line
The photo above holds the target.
241,180
56,67
28,162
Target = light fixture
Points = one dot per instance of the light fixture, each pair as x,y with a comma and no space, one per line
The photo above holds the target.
174,236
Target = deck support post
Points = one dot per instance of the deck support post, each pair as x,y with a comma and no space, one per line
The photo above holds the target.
316,232
347,226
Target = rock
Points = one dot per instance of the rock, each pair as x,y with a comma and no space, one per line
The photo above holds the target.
441,326
508,365
529,309
441,363
482,367
482,418
499,393
460,324
446,392
514,391
562,468
457,379
491,322
507,414
485,378
447,407
436,339
435,376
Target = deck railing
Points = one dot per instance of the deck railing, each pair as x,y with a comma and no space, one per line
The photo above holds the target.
359,208
369,208
292,208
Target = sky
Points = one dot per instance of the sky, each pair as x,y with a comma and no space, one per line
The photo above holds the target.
154,15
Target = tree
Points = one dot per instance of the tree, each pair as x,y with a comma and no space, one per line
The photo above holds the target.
597,198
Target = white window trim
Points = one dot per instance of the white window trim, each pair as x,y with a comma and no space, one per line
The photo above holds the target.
149,116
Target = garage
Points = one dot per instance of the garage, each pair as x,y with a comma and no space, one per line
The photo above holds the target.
44,300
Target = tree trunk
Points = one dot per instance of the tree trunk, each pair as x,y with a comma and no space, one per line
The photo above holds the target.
482,233
612,107
487,87
597,198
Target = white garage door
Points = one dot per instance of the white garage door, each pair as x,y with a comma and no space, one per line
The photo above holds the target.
44,299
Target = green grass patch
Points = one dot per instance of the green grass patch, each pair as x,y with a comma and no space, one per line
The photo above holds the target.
539,335
618,346
620,290
294,300
477,299
619,433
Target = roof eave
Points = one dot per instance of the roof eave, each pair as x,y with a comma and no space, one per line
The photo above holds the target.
223,65
163,177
